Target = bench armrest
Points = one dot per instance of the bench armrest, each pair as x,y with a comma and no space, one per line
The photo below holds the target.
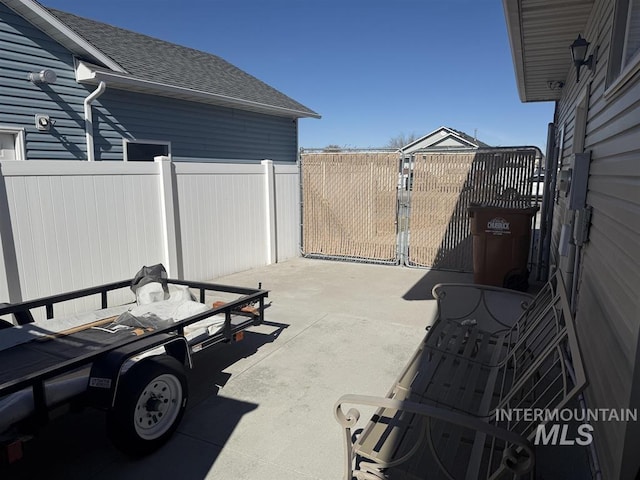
517,463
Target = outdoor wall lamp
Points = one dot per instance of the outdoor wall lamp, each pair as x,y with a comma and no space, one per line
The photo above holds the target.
555,85
578,55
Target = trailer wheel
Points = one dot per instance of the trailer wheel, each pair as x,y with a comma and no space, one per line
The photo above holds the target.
150,402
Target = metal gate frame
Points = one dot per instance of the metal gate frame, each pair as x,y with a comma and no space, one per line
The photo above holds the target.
393,194
349,205
453,180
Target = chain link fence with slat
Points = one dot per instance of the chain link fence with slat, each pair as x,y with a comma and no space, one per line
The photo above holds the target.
445,184
349,205
380,207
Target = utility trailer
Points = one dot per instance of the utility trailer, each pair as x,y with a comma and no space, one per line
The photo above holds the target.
136,373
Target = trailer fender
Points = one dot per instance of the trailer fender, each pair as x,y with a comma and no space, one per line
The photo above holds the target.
150,402
107,369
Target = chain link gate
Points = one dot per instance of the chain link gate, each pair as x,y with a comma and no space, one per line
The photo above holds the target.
383,207
349,206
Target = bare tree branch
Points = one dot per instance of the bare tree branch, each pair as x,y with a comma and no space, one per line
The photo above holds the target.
401,140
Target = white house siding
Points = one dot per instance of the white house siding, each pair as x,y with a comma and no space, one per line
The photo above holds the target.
440,139
438,142
608,314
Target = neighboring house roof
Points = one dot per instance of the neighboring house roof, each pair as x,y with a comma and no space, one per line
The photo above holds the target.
133,61
444,137
540,33
470,139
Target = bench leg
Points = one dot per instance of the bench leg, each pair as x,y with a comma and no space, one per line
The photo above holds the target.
347,421
369,471
348,467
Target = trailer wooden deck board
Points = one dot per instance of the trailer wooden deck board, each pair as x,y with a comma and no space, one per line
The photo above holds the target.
35,357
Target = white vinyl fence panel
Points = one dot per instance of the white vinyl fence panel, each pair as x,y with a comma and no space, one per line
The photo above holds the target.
288,211
221,218
66,225
80,225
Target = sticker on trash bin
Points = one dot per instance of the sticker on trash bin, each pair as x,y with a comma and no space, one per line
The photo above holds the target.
498,226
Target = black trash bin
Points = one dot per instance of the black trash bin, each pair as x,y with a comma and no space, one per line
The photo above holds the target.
501,240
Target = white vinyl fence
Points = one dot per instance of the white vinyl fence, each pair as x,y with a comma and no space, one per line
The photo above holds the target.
69,225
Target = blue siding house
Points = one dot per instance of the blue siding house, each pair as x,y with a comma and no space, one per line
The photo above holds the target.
76,89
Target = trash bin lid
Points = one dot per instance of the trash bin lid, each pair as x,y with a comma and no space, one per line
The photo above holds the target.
504,208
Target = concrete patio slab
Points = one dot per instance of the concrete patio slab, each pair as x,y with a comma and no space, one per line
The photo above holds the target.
263,408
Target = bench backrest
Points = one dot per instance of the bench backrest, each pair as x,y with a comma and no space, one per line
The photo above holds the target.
543,370
490,354
514,369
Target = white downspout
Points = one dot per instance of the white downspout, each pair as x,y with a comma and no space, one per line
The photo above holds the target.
88,119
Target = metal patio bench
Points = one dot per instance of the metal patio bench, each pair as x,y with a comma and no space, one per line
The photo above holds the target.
489,351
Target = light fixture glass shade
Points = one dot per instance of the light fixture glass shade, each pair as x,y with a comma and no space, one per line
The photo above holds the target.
579,50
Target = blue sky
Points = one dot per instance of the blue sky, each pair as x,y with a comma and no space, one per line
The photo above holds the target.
373,69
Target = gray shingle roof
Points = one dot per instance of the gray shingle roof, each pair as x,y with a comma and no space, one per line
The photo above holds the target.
469,138
451,131
147,58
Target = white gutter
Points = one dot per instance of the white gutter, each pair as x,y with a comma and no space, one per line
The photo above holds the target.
88,74
513,18
88,119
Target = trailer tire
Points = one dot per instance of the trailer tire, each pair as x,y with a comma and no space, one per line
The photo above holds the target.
150,402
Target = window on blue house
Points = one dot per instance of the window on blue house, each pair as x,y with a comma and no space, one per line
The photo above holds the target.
12,143
144,150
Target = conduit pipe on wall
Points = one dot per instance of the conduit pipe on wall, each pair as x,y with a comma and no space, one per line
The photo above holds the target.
88,119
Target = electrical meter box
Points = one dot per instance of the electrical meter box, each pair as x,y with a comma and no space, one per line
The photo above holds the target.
579,178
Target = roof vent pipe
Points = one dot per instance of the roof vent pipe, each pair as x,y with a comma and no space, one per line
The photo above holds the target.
88,119
43,76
